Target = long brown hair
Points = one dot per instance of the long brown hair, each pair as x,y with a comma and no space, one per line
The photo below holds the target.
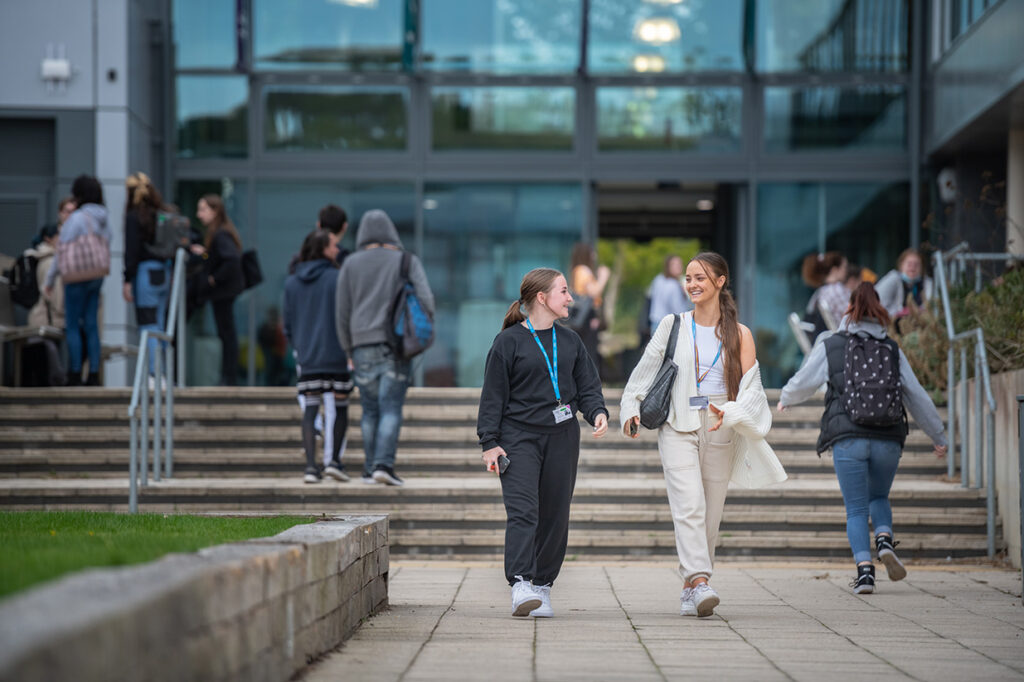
534,282
816,267
145,200
864,304
728,328
582,254
220,221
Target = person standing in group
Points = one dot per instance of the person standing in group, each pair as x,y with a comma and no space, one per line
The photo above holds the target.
48,311
587,284
333,220
82,250
65,208
826,273
906,284
222,249
866,446
537,376
667,295
309,309
718,416
147,277
367,285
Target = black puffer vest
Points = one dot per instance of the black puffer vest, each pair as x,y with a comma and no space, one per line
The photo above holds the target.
835,424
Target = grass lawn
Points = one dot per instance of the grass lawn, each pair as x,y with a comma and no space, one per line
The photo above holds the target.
40,546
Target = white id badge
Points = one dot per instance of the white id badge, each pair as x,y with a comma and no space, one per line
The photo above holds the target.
562,412
699,402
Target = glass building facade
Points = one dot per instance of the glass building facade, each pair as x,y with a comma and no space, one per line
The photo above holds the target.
487,130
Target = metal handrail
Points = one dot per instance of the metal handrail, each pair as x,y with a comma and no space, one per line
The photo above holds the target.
957,259
163,380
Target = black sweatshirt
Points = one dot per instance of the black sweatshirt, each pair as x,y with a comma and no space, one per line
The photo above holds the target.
517,385
135,246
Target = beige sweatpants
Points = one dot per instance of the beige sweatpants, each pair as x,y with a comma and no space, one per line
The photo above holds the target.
697,467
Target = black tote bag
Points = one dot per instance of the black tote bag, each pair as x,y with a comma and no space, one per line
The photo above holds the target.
655,405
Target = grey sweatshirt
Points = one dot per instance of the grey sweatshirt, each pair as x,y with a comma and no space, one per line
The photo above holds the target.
368,282
814,373
90,217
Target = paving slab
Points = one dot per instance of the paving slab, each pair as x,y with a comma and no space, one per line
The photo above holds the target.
451,621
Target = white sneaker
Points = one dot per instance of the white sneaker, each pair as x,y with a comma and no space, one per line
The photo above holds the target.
705,599
544,610
686,605
524,598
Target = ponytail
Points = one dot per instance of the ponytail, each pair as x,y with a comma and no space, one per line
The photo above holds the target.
728,328
514,315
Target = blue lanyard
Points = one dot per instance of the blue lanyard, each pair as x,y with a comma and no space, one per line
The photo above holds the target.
696,354
552,366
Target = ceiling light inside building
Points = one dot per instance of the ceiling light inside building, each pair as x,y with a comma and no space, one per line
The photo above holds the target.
370,4
664,2
648,63
705,204
429,204
657,30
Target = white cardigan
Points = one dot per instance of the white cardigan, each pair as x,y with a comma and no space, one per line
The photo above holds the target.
754,464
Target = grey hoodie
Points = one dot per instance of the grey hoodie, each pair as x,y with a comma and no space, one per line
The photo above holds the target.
88,218
814,373
368,282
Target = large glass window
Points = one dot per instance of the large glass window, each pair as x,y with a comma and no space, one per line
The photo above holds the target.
335,34
479,241
866,222
501,36
204,34
335,118
212,116
669,119
833,35
863,117
503,118
641,36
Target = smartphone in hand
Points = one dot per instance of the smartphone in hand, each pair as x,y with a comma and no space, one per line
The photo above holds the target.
502,464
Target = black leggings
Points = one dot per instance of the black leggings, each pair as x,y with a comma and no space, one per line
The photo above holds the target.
537,489
224,316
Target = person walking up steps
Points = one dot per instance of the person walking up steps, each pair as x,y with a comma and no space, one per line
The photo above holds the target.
866,436
309,327
538,374
717,420
367,285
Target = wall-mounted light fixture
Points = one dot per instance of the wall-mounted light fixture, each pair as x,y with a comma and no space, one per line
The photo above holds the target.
55,68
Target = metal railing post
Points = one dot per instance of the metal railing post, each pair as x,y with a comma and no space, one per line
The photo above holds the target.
965,470
157,413
133,471
1020,472
979,415
144,454
169,449
950,413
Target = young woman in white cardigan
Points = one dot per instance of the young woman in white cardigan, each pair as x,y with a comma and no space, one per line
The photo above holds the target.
717,422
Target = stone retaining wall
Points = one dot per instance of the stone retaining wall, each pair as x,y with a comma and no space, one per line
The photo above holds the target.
255,610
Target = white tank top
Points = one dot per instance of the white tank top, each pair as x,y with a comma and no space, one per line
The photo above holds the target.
707,348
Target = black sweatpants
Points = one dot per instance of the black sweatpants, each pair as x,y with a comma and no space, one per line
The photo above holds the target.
224,317
537,489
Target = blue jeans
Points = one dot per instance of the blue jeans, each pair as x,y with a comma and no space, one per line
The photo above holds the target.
866,468
151,289
382,380
81,303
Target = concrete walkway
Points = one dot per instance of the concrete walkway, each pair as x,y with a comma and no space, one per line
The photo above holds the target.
451,621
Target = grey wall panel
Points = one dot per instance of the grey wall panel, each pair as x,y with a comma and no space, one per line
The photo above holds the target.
76,144
28,146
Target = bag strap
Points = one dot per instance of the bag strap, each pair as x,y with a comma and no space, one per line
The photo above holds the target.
670,350
406,261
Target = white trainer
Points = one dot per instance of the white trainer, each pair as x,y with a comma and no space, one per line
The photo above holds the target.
544,610
686,605
705,599
524,598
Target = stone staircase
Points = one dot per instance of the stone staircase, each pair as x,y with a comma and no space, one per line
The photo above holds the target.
239,450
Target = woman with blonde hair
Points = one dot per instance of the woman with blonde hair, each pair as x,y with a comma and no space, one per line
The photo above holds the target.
717,420
537,376
222,249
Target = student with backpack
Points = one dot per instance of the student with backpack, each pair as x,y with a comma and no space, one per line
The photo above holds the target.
369,283
869,383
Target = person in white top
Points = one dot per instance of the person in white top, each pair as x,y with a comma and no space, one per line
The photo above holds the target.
667,295
717,421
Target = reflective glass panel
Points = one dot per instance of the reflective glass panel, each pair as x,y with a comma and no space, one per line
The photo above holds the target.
833,35
204,34
479,241
501,36
203,349
212,116
503,118
864,117
640,36
331,34
301,118
285,214
669,119
869,223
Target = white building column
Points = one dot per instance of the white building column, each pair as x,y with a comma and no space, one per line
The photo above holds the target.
1015,191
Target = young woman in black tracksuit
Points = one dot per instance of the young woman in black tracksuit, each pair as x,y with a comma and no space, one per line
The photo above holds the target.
538,375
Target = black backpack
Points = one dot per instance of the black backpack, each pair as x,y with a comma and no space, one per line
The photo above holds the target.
22,280
873,393
172,232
